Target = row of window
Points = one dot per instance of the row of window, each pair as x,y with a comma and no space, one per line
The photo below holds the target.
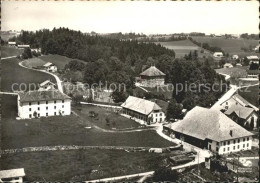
46,102
234,141
30,109
47,114
234,147
156,115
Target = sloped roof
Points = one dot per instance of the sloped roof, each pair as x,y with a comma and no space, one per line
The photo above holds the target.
46,82
34,96
243,101
19,172
152,71
140,105
241,111
48,64
203,123
253,57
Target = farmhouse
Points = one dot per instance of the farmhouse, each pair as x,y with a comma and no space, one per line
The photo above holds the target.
12,44
12,175
210,129
152,77
253,59
218,54
43,104
240,110
23,46
143,111
47,85
228,65
50,67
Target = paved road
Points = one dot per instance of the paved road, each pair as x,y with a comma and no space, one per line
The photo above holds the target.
8,93
8,57
60,88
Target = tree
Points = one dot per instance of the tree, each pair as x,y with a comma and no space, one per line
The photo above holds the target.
174,110
119,96
165,174
77,98
254,66
107,121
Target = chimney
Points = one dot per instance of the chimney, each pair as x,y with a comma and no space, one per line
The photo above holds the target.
231,133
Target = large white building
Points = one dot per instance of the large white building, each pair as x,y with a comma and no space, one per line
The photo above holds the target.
211,129
12,175
43,104
142,111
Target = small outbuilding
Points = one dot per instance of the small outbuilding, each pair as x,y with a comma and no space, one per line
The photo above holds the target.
12,175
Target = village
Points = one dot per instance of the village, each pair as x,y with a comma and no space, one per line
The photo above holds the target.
127,107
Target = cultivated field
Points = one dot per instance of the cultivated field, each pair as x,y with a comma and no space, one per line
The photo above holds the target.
231,46
14,75
58,60
10,51
183,47
82,165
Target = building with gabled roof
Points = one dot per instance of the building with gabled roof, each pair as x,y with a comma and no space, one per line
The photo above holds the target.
11,43
47,85
152,77
12,175
143,111
34,104
211,129
50,67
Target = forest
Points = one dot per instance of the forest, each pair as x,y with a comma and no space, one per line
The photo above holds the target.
115,61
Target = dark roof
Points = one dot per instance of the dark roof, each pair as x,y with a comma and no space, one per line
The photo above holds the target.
34,96
152,71
240,111
253,71
203,123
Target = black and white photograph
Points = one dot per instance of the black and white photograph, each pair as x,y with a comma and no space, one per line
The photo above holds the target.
129,91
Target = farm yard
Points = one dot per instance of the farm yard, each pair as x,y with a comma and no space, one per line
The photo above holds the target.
231,46
82,165
15,74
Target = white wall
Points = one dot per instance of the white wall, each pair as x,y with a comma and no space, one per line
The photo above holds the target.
243,145
255,119
44,109
157,116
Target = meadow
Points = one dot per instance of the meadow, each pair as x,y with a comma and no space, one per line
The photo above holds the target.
10,51
14,75
82,165
231,46
183,47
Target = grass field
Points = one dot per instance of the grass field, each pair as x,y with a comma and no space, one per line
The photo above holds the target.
58,60
231,46
33,62
82,165
182,47
251,94
116,121
10,51
14,75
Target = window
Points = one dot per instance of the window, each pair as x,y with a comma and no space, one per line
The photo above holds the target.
228,148
234,141
62,101
217,149
46,114
224,143
30,103
217,143
247,138
223,149
30,116
237,146
160,114
243,145
39,115
54,101
46,108
46,102
54,113
244,139
30,109
228,142
38,103
38,108
247,145
54,107
238,140
234,147
63,107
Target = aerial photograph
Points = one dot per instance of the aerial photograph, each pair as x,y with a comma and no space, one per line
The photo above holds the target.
129,91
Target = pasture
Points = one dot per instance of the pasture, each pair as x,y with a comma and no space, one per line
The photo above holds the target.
183,47
231,46
13,76
82,165
58,60
10,51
